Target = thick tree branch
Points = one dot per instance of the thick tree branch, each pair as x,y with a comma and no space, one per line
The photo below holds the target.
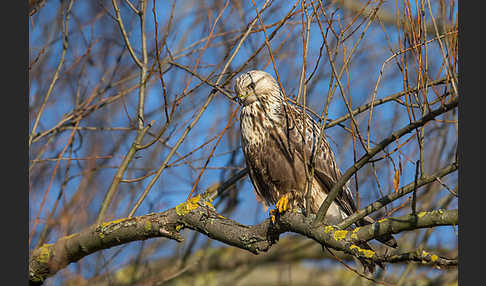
224,260
198,214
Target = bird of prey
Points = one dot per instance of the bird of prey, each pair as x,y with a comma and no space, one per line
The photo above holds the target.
280,140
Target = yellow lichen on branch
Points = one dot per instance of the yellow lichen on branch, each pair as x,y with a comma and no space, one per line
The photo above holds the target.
328,228
209,205
188,206
105,224
433,257
148,225
354,233
44,253
421,214
363,252
340,234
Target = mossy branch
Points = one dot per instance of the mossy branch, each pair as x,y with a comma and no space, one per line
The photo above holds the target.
198,214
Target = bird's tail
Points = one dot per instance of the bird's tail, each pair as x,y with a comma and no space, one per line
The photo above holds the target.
386,239
368,265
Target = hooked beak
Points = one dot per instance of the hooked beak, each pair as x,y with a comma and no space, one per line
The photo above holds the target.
246,99
240,98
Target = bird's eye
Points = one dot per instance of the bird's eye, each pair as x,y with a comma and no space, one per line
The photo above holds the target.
252,85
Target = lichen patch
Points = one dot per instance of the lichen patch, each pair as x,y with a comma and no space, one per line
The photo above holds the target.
421,214
105,224
354,234
363,252
207,203
44,253
187,206
148,225
328,228
340,234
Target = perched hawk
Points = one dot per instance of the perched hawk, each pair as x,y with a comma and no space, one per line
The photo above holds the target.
277,149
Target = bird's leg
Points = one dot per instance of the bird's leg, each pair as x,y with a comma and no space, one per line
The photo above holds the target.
272,214
303,211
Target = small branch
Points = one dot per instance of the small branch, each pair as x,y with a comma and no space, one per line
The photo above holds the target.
227,93
143,68
65,32
120,173
414,193
377,102
35,5
132,7
398,194
172,152
387,17
372,152
423,257
125,35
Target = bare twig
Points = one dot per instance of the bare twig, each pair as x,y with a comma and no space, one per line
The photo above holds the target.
364,159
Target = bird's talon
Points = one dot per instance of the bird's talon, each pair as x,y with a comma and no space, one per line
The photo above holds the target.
282,204
272,215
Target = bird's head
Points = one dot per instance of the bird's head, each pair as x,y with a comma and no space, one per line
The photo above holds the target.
255,86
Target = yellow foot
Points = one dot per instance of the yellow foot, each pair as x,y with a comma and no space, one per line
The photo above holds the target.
283,203
272,215
282,206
